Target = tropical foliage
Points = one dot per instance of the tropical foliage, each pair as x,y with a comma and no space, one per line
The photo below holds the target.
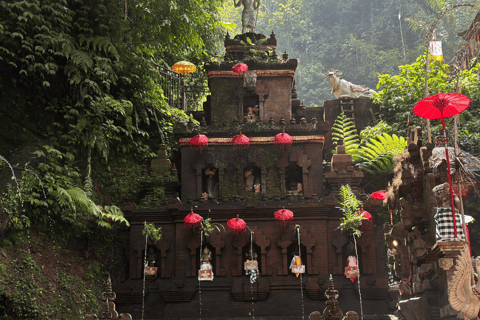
375,151
208,227
350,206
344,130
398,94
378,153
80,85
153,233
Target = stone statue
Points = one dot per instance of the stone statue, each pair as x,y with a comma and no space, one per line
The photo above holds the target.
443,217
248,14
344,89
205,259
251,115
212,185
250,180
151,258
254,274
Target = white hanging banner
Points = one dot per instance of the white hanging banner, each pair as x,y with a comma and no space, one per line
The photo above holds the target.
436,50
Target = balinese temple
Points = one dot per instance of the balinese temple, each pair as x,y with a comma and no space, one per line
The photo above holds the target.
253,181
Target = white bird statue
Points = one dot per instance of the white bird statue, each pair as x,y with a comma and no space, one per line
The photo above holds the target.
464,297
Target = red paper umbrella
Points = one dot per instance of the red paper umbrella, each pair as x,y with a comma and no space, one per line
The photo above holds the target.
366,215
441,106
286,216
283,139
237,225
380,195
192,220
367,221
241,141
240,68
199,142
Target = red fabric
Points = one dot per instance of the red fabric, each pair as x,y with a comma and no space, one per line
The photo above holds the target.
283,139
237,225
448,104
240,68
192,220
199,142
284,215
380,195
241,141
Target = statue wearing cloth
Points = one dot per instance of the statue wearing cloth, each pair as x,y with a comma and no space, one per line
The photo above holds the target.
248,14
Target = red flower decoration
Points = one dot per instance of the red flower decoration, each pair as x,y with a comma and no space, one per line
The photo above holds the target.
241,141
380,195
192,220
286,216
199,142
237,225
283,139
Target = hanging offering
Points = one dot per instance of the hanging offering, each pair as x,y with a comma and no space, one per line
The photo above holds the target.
151,272
250,265
205,275
351,271
206,270
296,266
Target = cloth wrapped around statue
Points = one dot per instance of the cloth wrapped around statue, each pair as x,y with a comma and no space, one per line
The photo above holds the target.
444,221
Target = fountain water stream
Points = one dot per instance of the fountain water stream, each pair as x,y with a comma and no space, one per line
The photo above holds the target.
144,265
251,284
301,278
15,178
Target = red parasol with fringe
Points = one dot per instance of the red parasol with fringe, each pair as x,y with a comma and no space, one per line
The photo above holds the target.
441,106
283,139
380,195
240,68
192,220
240,141
367,221
284,215
237,225
199,142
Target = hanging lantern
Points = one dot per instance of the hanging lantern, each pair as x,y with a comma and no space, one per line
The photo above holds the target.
380,195
240,69
283,139
237,225
192,220
199,142
184,67
240,141
285,216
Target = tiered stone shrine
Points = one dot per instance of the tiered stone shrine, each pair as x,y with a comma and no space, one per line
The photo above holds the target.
222,182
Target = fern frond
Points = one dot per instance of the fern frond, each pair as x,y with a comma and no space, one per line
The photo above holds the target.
378,153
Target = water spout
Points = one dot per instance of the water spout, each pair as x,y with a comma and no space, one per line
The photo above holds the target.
15,178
